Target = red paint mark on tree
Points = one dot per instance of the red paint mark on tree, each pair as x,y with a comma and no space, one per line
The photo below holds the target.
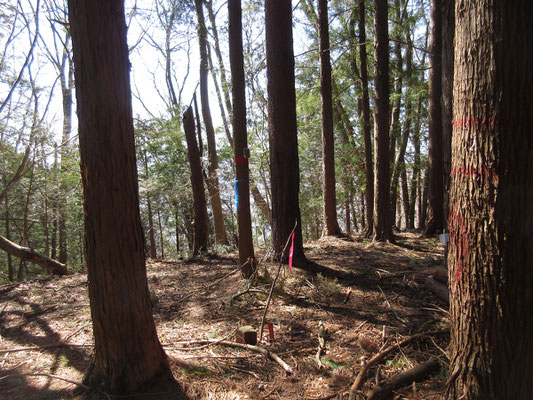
458,236
475,172
474,122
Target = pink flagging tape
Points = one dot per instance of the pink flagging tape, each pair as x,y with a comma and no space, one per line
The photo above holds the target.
291,251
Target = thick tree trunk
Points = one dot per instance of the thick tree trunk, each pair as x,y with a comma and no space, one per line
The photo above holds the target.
435,217
331,226
200,217
491,202
367,136
213,186
382,218
283,139
128,357
242,173
28,254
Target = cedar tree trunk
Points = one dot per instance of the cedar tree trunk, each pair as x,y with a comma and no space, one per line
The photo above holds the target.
331,226
491,202
128,357
240,141
283,137
382,221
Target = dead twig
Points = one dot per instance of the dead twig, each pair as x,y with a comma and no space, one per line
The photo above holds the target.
274,283
216,281
392,309
249,290
48,376
257,349
359,379
50,346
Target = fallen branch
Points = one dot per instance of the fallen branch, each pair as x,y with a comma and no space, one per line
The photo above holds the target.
321,344
28,254
384,391
374,360
260,339
50,346
257,349
249,290
48,376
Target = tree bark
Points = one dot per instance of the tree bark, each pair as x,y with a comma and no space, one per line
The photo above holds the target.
331,226
367,136
283,137
448,27
491,202
242,173
128,357
200,217
435,217
382,218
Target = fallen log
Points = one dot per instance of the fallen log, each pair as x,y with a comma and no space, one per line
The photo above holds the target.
25,253
440,274
384,391
359,378
438,288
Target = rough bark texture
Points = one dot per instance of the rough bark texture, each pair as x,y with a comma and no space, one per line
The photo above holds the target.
367,137
435,216
382,221
127,354
213,186
240,141
283,137
491,202
331,226
200,216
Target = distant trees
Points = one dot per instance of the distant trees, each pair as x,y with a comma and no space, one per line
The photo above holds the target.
491,208
128,357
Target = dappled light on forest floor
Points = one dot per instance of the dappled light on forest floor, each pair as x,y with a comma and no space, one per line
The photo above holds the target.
369,297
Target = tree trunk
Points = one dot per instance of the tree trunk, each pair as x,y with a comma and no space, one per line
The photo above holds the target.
223,79
67,84
242,174
367,136
261,202
448,27
382,218
491,202
435,218
415,181
283,139
212,167
331,226
200,216
128,357
10,272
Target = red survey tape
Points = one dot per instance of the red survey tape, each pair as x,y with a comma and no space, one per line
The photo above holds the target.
240,160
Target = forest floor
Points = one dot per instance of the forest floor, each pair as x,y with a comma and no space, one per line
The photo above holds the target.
368,296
